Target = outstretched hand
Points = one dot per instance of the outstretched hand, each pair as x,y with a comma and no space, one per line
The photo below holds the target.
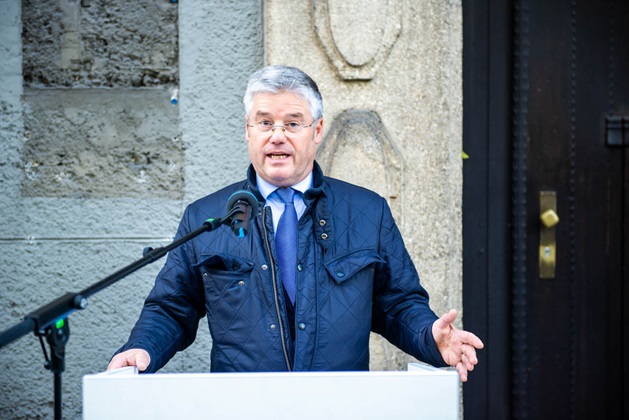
457,347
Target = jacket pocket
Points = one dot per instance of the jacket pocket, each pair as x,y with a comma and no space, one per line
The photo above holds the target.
346,266
224,262
226,279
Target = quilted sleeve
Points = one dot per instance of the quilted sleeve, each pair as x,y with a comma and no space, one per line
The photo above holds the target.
401,311
170,316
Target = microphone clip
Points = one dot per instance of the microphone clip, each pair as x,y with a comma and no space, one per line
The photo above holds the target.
240,215
240,206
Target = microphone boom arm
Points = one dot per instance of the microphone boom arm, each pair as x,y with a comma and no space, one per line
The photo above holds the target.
50,321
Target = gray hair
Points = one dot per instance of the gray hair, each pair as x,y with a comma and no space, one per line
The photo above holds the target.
278,79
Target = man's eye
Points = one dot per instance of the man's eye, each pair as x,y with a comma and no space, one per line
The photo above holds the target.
292,124
265,123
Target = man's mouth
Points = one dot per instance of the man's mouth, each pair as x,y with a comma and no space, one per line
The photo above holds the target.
276,156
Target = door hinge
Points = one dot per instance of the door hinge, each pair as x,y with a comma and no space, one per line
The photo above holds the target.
617,131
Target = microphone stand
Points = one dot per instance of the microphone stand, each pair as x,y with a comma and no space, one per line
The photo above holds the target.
51,320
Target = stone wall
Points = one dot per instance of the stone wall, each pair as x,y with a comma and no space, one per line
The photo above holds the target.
100,79
390,75
96,162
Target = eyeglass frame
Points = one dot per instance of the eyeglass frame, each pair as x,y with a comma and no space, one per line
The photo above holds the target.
283,126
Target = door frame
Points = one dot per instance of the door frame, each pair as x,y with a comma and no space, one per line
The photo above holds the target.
488,183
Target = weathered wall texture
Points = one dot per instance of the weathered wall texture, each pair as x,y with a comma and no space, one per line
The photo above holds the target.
118,142
75,43
113,143
96,162
390,75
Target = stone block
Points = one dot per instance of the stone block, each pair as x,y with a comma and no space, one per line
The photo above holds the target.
101,143
115,43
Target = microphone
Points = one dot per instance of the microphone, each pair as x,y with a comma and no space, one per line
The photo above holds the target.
240,206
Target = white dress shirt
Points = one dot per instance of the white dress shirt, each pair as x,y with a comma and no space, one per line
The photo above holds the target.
277,205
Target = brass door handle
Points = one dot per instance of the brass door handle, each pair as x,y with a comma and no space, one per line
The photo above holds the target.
549,218
547,244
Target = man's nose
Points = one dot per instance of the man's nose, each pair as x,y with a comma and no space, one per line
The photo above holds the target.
278,134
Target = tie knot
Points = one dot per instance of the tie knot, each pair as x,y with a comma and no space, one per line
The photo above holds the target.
286,194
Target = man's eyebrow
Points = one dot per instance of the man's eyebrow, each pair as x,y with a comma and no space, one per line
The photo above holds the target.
262,114
268,114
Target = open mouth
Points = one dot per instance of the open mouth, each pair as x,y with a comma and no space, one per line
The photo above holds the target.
277,156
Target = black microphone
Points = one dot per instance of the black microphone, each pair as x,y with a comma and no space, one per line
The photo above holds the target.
240,206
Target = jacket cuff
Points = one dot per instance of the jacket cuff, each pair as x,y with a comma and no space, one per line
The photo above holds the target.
432,355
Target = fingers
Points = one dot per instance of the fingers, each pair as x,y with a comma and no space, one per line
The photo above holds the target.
472,340
466,337
116,362
462,372
464,367
442,328
134,357
468,357
447,319
467,363
457,347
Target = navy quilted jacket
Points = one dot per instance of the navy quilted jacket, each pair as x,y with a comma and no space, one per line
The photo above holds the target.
354,275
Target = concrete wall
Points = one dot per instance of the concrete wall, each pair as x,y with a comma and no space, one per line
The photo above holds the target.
96,162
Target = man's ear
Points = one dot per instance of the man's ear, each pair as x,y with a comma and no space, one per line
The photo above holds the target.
318,132
246,130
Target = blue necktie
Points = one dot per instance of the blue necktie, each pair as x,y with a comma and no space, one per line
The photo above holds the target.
286,242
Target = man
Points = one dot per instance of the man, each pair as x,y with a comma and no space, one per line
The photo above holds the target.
307,297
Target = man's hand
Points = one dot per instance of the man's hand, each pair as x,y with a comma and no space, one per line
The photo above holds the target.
133,357
457,347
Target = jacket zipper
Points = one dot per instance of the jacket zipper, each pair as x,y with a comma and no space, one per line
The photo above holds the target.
275,292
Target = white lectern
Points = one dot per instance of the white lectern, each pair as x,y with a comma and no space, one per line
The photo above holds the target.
422,392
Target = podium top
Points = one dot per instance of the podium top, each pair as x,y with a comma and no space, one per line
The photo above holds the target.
420,392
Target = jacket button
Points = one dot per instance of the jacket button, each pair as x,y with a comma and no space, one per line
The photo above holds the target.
204,274
241,283
301,326
324,236
272,327
321,222
300,267
264,266
340,274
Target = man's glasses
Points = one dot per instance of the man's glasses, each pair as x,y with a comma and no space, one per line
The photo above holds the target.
293,127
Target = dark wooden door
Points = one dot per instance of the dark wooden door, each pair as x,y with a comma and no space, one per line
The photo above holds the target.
573,322
568,334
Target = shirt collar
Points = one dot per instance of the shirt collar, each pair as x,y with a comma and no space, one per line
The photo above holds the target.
267,188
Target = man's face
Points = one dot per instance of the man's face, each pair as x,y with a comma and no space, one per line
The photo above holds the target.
279,157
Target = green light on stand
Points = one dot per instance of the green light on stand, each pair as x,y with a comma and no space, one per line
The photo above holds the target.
60,323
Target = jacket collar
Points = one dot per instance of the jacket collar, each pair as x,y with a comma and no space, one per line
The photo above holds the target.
318,184
315,198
